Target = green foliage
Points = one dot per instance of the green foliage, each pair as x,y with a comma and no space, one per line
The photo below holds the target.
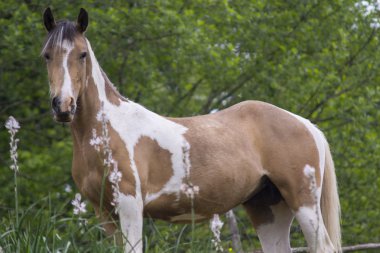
319,59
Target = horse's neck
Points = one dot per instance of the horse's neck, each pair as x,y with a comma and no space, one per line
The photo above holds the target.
100,94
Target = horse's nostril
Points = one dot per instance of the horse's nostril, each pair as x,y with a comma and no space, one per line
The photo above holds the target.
73,108
56,103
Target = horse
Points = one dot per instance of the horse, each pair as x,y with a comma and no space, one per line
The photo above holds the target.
276,164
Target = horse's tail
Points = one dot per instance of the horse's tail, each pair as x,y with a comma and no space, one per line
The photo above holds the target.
330,205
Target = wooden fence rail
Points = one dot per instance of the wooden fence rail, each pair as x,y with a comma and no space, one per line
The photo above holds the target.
359,247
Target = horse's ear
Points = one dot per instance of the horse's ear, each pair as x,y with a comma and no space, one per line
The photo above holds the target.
82,21
49,20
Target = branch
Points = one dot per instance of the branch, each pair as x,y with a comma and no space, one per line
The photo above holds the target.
361,247
333,95
233,90
186,96
206,106
349,62
351,58
214,101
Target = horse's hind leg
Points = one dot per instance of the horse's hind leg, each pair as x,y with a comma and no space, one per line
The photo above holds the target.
313,228
271,218
303,198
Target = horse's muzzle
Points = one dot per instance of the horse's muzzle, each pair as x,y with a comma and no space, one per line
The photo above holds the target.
63,112
64,117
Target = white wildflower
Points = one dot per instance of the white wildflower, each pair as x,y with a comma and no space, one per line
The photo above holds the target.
189,190
115,175
13,126
108,161
96,141
79,207
104,141
68,188
216,225
101,116
115,178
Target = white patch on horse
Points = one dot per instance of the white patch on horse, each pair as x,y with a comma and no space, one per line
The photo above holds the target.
311,221
132,121
131,221
274,236
66,90
309,172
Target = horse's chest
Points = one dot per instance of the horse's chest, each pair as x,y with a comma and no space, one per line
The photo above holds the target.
88,173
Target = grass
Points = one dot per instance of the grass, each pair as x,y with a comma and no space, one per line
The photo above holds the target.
46,227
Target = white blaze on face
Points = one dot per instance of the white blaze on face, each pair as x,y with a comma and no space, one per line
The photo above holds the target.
66,90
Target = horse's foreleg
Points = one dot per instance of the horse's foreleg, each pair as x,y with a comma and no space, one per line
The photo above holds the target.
130,212
109,225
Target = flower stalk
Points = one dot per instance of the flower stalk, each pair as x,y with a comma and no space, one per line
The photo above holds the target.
13,126
216,225
102,144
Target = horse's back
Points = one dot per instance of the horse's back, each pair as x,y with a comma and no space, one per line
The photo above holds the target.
272,129
238,146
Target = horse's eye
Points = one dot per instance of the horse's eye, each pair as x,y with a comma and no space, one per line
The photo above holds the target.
83,55
47,56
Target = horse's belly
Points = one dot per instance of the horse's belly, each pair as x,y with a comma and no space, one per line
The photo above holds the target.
219,192
172,209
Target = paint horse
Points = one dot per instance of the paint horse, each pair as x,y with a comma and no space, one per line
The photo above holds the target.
274,163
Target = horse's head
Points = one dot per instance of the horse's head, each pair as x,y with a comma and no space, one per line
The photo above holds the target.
65,51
